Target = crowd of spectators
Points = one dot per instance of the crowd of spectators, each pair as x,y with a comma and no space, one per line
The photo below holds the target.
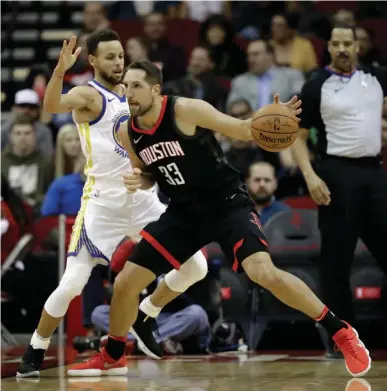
245,52
238,79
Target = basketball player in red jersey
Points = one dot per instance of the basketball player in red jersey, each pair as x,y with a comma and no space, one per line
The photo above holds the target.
170,140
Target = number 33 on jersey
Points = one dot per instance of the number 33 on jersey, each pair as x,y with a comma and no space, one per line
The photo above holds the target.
186,168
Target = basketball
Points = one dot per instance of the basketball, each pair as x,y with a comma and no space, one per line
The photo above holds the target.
274,127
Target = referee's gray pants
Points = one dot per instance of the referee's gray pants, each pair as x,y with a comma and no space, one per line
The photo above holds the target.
358,208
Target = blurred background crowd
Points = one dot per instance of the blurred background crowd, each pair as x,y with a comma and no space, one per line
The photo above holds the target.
234,55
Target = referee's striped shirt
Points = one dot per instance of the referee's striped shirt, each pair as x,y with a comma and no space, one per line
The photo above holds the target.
346,111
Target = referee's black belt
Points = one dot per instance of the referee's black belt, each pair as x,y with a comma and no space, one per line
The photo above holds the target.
366,161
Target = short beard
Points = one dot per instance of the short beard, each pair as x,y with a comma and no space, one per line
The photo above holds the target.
142,112
109,79
262,200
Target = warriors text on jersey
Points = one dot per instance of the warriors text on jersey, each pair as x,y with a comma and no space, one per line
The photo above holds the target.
106,159
189,169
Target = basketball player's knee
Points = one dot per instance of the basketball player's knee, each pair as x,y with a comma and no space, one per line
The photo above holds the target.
196,268
260,268
130,280
72,287
192,271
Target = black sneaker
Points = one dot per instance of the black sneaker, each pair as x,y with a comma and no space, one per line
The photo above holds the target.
31,362
80,344
143,330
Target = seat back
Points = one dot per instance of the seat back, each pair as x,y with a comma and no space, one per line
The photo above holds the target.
293,234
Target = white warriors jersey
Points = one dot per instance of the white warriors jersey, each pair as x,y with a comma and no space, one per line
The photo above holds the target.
106,159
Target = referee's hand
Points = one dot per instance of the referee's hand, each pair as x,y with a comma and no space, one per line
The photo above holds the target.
318,190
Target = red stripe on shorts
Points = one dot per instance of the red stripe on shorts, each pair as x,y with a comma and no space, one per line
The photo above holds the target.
161,249
237,246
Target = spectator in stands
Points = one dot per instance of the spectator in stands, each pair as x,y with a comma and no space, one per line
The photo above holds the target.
136,50
242,153
200,81
262,184
368,53
28,171
68,150
170,57
133,10
27,102
14,219
199,11
344,16
263,79
37,80
65,192
250,16
217,32
94,17
291,50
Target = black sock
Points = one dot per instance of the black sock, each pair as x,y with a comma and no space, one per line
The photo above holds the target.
115,347
331,323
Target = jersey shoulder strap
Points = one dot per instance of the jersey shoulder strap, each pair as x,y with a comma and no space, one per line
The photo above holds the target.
110,95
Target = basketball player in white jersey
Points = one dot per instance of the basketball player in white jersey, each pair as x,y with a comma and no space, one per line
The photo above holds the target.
108,213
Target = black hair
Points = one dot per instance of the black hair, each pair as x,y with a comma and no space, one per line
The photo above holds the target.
153,73
292,19
209,49
268,45
345,26
36,70
104,35
22,119
217,20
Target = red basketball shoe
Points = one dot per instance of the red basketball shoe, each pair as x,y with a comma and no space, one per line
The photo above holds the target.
101,364
357,357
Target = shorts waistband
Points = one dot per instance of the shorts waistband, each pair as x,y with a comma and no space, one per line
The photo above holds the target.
366,161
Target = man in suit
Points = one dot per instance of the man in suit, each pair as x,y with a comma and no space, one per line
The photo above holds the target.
263,79
200,82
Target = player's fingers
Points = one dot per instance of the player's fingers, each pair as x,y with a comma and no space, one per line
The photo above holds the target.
76,54
297,104
276,98
324,196
315,196
132,180
325,187
137,171
64,46
73,41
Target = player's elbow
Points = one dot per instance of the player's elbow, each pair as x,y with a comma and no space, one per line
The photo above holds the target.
245,133
50,106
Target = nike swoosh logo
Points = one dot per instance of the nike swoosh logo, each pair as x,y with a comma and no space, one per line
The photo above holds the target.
109,100
136,141
107,366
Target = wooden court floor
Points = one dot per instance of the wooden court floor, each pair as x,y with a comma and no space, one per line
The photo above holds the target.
222,372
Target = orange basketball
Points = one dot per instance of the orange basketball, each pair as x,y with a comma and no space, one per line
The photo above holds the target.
274,127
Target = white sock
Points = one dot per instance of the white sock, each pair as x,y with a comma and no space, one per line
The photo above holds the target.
38,342
150,309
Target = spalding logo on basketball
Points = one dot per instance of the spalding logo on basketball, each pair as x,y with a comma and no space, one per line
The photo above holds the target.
274,127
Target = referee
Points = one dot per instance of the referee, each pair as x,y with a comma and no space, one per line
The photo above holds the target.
348,183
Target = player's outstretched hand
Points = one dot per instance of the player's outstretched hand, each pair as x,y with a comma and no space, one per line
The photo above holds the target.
133,181
67,58
293,104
